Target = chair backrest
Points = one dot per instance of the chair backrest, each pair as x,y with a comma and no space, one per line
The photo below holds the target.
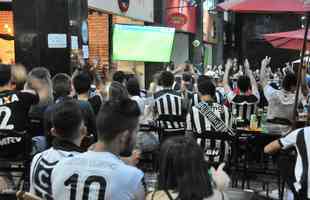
170,125
212,149
14,145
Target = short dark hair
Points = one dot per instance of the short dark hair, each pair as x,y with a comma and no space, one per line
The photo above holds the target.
183,169
244,83
187,77
166,79
5,74
61,85
289,81
117,91
133,86
115,117
82,82
119,76
67,117
206,86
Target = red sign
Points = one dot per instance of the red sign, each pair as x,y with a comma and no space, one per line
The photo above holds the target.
181,15
178,19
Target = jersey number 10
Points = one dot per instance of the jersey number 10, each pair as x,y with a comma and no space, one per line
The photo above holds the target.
73,181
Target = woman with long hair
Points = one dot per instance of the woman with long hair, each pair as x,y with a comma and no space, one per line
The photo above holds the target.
183,173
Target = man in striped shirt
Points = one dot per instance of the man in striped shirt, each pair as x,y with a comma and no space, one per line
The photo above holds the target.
215,150
168,101
244,100
300,139
195,98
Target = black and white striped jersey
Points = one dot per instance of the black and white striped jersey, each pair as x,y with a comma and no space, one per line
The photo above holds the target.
168,102
215,150
196,98
300,139
243,105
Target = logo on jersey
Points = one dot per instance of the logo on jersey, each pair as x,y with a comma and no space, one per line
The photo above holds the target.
8,99
10,140
212,152
42,178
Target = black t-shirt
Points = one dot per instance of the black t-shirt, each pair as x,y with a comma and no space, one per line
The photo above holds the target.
14,108
95,102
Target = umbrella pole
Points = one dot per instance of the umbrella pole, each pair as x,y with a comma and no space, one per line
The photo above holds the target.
300,70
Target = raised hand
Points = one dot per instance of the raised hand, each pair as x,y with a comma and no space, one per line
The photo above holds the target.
266,61
246,65
229,64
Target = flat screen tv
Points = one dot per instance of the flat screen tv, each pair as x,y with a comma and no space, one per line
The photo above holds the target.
142,43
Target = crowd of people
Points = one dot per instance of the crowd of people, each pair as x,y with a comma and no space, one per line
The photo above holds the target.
86,141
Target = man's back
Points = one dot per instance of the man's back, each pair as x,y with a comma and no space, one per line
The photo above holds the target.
14,108
281,103
215,150
243,105
43,164
168,102
96,175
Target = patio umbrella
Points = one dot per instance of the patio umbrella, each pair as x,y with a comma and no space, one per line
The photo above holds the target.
288,40
274,6
264,6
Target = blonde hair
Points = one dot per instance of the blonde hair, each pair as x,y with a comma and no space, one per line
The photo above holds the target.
19,76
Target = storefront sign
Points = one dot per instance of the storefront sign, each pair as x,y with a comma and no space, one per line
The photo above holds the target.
181,14
57,41
74,42
136,9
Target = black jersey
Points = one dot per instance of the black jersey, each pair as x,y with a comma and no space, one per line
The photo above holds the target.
14,108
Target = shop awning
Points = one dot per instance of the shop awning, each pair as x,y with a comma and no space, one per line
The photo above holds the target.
288,40
264,6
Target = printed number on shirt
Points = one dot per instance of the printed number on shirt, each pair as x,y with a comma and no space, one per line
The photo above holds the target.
5,114
91,182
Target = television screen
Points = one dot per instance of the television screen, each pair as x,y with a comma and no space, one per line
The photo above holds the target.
142,43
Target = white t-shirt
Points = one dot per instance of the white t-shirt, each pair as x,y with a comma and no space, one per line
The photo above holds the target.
301,140
97,175
281,103
41,171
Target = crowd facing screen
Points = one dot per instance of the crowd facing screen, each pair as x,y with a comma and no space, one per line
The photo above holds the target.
142,43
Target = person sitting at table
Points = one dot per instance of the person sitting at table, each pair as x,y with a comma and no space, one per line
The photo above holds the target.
244,99
215,150
300,139
281,102
183,173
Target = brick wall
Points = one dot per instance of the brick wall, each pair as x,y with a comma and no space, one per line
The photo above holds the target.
99,38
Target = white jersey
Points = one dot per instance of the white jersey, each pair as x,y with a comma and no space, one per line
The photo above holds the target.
96,176
41,171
